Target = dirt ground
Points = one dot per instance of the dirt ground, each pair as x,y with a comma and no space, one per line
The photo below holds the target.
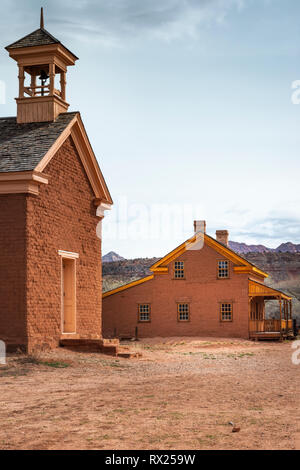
181,394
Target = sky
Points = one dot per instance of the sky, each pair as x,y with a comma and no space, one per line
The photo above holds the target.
190,109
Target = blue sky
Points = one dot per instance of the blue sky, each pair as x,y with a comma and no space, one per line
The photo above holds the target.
188,107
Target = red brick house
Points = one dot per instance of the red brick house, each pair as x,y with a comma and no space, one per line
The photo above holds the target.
201,288
52,198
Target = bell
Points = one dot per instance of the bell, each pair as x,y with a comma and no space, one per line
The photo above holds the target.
43,76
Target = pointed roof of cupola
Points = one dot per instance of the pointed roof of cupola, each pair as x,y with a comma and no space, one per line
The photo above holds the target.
39,37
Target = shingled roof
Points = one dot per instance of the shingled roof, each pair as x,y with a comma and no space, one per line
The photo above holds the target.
39,37
22,146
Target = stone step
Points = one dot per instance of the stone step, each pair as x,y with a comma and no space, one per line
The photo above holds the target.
105,346
129,355
91,345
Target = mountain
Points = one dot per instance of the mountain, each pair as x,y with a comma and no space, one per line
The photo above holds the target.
111,257
288,247
243,248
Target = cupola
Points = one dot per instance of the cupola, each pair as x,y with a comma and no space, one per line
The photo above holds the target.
42,61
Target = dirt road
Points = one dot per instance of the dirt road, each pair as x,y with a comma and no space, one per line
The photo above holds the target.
181,394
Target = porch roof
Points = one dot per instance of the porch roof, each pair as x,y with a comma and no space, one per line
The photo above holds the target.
257,289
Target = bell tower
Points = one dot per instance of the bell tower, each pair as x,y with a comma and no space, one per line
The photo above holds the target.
42,61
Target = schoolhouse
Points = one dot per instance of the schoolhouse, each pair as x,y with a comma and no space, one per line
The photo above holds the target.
52,199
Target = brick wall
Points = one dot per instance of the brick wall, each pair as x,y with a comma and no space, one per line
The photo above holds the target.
201,289
12,269
62,217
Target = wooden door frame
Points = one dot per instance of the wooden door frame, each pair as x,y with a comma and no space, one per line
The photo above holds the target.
73,256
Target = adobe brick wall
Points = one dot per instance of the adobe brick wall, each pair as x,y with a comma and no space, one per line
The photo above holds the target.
201,289
62,217
12,269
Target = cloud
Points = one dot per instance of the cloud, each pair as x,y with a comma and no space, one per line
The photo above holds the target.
111,21
271,229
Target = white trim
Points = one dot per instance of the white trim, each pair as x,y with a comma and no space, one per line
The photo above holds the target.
68,254
103,207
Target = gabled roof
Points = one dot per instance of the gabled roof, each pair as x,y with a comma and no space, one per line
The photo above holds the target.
22,146
161,266
242,265
30,147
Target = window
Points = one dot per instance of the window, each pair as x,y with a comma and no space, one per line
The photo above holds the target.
183,312
144,312
179,269
226,312
223,269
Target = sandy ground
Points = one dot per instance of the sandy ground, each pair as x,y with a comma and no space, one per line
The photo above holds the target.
181,394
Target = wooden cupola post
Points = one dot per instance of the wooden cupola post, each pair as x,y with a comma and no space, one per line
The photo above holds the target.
41,57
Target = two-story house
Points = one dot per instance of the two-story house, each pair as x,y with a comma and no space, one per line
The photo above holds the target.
201,288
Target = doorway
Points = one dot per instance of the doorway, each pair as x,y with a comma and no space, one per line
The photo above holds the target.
69,295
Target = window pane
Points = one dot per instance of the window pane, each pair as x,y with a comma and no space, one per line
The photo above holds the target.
183,312
226,312
144,312
179,269
223,269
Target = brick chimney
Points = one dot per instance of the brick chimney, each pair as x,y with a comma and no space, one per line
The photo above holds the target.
222,237
199,226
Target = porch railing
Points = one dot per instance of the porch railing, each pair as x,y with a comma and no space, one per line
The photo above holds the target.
270,325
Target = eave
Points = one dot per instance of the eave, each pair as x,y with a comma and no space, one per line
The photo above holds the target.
127,286
77,132
22,182
26,54
29,181
256,289
250,270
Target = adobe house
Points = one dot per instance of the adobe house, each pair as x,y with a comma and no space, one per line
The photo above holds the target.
201,288
52,198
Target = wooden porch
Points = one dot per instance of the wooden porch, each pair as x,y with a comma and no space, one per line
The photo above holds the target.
261,328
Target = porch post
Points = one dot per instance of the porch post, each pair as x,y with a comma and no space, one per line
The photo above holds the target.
21,81
52,78
249,316
280,309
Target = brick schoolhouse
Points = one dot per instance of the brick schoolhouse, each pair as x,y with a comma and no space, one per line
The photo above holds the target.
52,198
201,288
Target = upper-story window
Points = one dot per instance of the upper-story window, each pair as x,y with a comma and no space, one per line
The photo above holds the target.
223,269
179,270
